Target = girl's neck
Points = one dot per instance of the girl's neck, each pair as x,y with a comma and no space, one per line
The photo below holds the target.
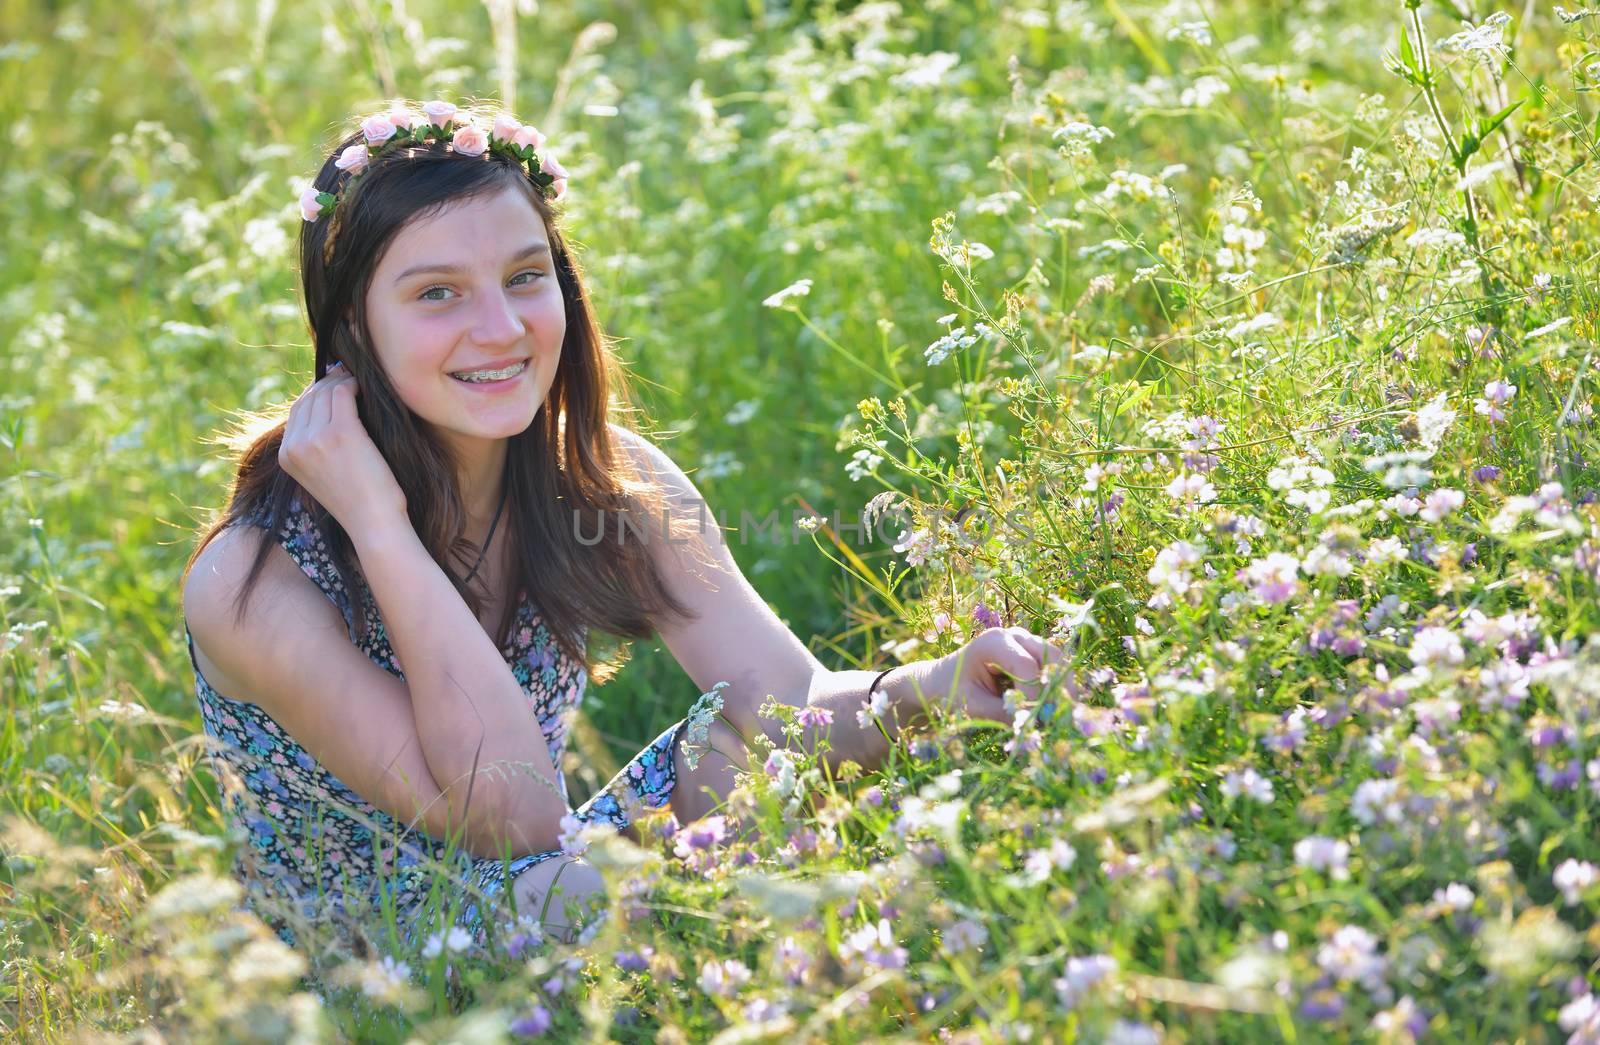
481,480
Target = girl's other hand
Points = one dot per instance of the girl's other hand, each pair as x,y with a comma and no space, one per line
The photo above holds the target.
327,450
977,675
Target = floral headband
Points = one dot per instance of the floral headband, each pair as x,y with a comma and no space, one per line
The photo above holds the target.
444,122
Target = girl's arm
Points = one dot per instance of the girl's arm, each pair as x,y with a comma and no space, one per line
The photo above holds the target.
471,716
735,637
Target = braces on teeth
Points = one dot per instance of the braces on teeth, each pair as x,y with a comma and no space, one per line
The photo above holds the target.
491,375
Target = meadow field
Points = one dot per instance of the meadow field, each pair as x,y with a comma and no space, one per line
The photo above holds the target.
1245,348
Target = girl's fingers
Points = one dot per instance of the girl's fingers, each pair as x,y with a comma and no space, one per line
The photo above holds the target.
1044,651
326,394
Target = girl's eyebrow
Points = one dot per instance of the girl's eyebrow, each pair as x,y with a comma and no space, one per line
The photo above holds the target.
531,250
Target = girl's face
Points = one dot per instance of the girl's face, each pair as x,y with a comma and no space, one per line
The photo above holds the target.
472,287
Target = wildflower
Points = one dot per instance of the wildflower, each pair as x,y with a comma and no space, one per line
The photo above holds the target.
813,715
1385,550
1131,1032
1197,33
965,935
1404,1022
794,964
1481,43
1304,483
916,546
1261,321
1375,800
1172,566
742,411
874,947
701,836
1079,129
1454,897
1581,1016
193,894
872,710
1250,784
455,940
267,960
780,766
1351,954
1433,648
1192,490
1436,239
556,984
1574,878
1433,420
765,1010
917,813
634,961
1288,734
862,462
572,842
1327,855
1496,393
780,299
1081,974
1349,243
1328,558
1274,578
535,1023
984,617
1137,187
385,980
525,934
955,340
1441,503
1058,856
697,725
1204,91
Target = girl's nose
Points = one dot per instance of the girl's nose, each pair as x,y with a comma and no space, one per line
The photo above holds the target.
498,322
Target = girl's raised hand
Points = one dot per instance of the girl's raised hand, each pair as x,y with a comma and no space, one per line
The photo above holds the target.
327,450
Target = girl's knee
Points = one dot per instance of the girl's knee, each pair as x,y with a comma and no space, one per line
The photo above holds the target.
558,891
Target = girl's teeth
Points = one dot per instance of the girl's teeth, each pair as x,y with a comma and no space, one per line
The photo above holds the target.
480,376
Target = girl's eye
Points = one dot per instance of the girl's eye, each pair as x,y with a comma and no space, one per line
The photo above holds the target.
535,273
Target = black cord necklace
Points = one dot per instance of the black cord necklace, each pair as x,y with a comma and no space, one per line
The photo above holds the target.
505,488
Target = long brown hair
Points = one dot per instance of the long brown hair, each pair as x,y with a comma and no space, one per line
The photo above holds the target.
564,476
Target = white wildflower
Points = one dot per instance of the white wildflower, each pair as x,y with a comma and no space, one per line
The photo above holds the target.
780,299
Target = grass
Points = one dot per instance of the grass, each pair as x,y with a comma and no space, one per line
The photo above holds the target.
1183,333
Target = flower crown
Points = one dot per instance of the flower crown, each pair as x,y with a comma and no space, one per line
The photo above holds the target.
441,121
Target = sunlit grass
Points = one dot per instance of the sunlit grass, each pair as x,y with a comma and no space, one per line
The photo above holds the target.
1238,349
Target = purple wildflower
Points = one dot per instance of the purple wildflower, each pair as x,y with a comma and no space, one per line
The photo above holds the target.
534,1024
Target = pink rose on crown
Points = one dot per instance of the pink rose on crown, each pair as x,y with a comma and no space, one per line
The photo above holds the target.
377,129
400,116
527,136
506,127
352,159
469,140
552,167
439,112
310,207
558,188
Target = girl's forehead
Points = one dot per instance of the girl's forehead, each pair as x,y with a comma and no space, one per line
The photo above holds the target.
472,226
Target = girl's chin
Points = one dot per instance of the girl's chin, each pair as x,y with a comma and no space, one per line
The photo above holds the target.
485,424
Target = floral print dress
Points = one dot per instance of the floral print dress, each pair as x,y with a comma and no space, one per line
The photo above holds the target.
315,847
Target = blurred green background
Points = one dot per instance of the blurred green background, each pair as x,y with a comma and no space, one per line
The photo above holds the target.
719,153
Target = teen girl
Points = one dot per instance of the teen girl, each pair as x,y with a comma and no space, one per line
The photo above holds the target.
389,621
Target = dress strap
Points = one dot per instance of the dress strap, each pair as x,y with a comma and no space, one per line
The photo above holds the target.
300,536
